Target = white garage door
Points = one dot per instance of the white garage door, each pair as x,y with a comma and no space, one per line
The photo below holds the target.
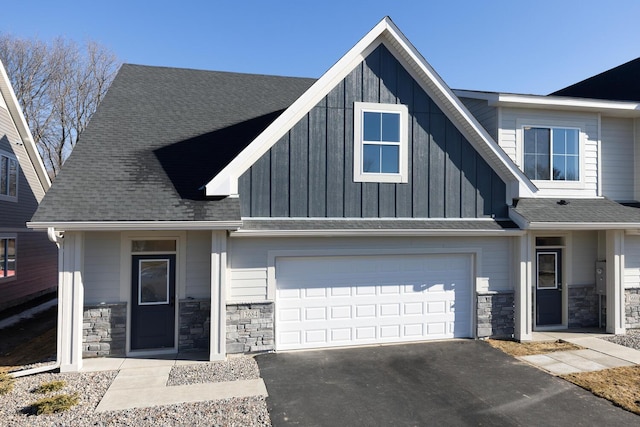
355,300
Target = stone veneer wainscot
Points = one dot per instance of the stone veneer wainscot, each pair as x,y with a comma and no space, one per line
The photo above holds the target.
495,315
195,319
104,330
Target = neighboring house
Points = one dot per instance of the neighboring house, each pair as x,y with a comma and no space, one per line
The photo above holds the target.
240,213
28,260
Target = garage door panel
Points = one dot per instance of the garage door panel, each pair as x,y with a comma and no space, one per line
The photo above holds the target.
320,306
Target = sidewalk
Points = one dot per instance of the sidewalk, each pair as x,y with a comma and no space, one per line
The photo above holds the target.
597,354
142,383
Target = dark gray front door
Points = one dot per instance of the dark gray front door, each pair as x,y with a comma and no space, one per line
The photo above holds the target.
549,287
153,294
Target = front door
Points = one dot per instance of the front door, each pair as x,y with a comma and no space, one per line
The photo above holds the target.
549,287
153,290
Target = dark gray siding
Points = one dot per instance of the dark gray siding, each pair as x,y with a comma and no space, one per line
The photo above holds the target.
309,172
37,259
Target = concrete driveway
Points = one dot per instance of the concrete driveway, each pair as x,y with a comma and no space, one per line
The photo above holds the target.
462,382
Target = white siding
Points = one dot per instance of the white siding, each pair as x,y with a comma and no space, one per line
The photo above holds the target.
198,272
101,267
631,261
485,114
584,257
512,120
248,258
617,158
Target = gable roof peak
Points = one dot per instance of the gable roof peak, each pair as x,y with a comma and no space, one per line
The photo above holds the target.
225,183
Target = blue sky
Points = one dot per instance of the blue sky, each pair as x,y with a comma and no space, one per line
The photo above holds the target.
509,46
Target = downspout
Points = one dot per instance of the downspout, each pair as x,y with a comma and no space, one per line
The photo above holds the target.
55,237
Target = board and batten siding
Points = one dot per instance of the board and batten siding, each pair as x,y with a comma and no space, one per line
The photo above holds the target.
618,158
309,171
249,256
512,121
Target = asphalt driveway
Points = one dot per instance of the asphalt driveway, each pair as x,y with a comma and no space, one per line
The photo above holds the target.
462,382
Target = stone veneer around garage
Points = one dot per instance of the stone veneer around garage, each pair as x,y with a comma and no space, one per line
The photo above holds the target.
250,327
104,330
495,314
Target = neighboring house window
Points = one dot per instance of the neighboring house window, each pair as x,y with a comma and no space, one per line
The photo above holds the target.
8,176
552,153
7,257
380,142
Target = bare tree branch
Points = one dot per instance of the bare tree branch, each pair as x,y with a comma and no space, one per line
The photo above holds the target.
59,85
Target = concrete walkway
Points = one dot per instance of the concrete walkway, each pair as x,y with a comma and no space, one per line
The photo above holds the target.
597,354
142,383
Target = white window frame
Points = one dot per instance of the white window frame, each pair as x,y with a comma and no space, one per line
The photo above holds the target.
14,237
359,108
558,124
10,157
551,130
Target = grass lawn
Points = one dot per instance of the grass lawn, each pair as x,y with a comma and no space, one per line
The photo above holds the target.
621,386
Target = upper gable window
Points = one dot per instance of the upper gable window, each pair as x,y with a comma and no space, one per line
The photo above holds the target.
380,142
8,177
552,154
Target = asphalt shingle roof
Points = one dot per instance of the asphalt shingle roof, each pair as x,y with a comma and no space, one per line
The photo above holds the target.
376,224
620,83
576,211
159,135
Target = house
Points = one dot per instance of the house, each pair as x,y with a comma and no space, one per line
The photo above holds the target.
240,213
28,260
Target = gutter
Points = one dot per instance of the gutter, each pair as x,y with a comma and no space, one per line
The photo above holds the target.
135,225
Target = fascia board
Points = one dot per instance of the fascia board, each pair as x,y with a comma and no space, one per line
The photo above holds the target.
583,225
226,182
629,109
135,225
23,128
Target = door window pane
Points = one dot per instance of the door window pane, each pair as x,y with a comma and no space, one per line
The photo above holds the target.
547,269
154,282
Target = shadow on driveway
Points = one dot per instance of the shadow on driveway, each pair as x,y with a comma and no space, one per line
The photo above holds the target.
463,382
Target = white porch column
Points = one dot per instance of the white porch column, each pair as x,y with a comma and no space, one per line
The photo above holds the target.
70,302
615,282
218,322
523,304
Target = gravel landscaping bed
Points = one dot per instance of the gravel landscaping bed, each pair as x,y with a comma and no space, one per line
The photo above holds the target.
630,339
233,369
250,411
